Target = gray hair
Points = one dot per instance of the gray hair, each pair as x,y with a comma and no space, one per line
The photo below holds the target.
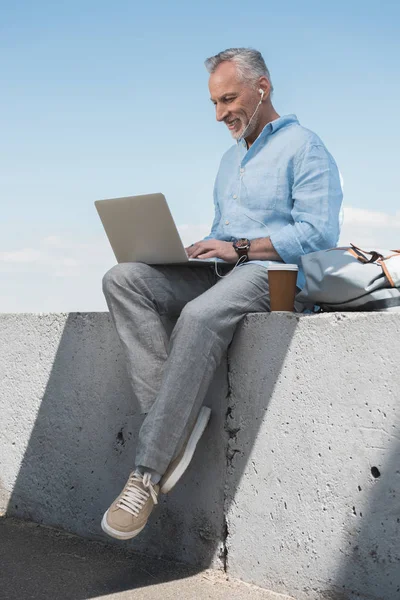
249,63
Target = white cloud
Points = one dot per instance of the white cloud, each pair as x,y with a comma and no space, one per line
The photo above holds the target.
58,256
374,218
370,229
25,255
53,241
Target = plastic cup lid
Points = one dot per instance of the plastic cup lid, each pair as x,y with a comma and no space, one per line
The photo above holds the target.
282,267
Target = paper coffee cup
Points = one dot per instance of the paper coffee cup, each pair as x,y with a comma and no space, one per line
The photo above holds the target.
282,280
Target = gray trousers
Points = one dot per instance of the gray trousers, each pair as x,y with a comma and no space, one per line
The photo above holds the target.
170,376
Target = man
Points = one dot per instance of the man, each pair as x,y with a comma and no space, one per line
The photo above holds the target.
277,197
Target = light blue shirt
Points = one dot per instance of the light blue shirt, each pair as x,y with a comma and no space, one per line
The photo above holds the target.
286,186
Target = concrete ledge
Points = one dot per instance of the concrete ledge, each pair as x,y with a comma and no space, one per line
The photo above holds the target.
296,484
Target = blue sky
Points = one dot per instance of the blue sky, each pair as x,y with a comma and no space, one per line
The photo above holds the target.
104,99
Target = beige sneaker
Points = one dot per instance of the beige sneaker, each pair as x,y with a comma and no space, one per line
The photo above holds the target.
181,462
128,514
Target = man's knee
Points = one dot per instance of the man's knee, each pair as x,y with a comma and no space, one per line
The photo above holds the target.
123,275
193,312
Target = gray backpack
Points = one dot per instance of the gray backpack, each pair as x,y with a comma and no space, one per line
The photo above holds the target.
351,279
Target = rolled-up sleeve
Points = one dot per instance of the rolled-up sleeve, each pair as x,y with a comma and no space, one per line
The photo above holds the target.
317,199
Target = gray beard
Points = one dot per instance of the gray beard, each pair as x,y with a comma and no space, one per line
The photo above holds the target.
237,135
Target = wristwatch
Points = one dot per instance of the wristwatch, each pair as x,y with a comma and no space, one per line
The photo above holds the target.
242,247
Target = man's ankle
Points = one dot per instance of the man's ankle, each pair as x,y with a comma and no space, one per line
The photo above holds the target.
155,476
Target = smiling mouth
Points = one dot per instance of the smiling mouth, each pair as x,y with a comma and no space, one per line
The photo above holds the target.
232,124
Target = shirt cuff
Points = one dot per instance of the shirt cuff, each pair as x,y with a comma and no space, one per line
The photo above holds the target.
287,244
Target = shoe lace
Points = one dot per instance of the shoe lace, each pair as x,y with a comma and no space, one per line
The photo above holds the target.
136,493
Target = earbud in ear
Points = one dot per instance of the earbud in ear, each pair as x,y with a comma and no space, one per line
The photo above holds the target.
262,93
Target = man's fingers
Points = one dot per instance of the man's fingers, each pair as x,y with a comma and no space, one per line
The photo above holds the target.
211,254
200,249
190,249
204,244
196,253
194,248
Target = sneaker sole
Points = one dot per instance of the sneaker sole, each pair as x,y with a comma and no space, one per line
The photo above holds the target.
198,430
119,535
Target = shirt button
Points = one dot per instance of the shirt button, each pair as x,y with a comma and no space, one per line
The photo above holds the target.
226,222
234,196
242,171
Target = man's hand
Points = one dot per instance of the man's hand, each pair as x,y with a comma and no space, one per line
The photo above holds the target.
212,249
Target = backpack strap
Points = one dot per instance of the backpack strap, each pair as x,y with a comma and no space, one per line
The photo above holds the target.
391,267
370,256
365,256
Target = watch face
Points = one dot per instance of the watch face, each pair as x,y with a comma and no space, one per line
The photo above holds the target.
242,244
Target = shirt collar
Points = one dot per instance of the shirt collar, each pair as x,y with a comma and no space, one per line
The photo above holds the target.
279,123
274,126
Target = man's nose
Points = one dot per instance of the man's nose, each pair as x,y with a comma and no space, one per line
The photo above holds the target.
221,112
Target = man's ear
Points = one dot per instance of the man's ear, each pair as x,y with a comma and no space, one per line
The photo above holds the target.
265,85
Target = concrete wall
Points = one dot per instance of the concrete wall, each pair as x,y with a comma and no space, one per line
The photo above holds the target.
315,410
67,438
296,484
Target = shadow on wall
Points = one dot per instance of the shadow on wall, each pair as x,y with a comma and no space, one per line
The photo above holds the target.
82,445
371,551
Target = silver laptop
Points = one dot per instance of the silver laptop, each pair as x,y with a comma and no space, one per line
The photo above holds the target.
141,229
